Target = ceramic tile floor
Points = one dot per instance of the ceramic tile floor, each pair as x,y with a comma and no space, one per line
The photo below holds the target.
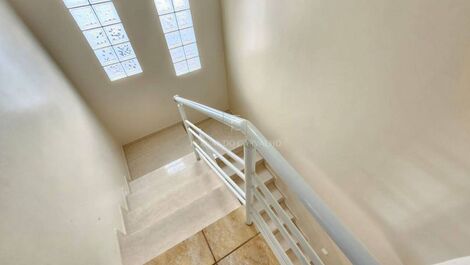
226,242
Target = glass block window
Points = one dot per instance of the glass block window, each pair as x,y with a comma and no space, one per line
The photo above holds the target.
102,27
177,25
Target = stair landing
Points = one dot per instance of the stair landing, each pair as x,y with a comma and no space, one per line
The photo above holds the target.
161,148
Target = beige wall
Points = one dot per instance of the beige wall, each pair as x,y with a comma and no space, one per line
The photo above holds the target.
370,101
61,174
137,106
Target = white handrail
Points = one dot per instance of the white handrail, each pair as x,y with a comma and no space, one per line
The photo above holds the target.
356,252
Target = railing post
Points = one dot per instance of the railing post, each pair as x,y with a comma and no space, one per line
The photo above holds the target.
249,151
191,139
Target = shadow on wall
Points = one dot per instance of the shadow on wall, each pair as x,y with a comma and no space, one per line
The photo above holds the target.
422,195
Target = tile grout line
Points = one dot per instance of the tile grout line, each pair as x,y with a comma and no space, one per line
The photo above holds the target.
241,245
209,246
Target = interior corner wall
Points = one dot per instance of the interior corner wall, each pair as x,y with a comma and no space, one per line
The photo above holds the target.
62,174
369,101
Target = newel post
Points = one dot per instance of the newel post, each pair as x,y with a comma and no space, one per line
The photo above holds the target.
249,151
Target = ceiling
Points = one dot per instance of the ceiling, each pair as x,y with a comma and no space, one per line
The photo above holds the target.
138,105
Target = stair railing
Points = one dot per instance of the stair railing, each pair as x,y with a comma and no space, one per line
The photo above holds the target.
353,249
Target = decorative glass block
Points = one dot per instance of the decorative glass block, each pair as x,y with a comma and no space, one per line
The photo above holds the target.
177,55
173,39
124,51
188,36
97,38
132,67
169,23
184,19
85,17
164,6
116,34
106,56
75,3
180,5
97,1
181,68
115,71
194,64
191,50
177,25
107,13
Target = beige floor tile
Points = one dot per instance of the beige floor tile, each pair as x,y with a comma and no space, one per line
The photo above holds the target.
254,252
228,233
192,251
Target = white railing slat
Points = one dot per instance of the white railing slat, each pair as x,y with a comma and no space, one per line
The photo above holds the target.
221,157
221,146
271,200
282,229
226,179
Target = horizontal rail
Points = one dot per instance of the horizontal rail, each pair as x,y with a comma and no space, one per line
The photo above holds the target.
293,245
228,119
288,222
226,179
221,146
344,239
221,157
270,238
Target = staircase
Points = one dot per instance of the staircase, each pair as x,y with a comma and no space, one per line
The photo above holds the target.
176,201
180,199
169,205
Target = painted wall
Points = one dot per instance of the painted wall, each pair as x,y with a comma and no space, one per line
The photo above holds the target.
62,174
137,106
370,102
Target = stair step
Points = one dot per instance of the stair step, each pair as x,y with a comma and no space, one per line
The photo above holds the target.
236,150
287,247
170,169
167,202
154,178
290,253
263,174
162,185
265,178
277,196
239,152
271,224
142,246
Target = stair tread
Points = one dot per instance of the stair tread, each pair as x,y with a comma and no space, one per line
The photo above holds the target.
265,178
143,245
263,174
172,168
164,184
237,150
287,247
272,226
169,201
154,178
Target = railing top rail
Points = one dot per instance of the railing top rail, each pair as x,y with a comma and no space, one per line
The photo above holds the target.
233,121
344,239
